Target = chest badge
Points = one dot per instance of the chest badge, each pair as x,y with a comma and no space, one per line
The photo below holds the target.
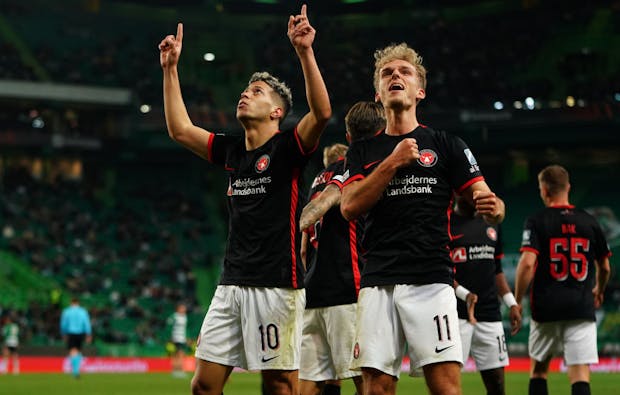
428,158
492,233
262,163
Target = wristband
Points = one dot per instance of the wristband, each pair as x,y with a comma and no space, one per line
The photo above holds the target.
509,299
461,293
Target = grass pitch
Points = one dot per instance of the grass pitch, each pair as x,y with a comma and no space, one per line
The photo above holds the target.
249,384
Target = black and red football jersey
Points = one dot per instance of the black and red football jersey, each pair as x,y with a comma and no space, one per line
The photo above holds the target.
333,276
263,206
567,242
406,231
476,250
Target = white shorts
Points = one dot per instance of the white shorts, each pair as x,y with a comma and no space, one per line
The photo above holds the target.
576,338
327,342
253,328
486,342
423,316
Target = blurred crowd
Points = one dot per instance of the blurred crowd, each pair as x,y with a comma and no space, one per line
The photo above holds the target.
130,260
544,51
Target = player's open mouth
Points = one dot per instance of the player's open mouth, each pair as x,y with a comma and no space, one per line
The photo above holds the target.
396,87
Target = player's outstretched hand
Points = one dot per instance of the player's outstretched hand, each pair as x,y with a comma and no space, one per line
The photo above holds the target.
170,48
300,32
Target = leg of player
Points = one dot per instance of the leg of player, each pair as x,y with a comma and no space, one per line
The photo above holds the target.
443,378
332,387
177,361
209,377
75,358
308,387
493,380
579,377
378,383
359,385
281,382
538,377
15,362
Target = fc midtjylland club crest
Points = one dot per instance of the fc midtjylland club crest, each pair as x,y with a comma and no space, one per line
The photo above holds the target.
262,163
428,158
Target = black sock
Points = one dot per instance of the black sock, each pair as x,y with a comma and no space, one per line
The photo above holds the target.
580,388
331,389
538,386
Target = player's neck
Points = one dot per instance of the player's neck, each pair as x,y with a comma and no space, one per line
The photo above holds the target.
400,121
257,134
555,201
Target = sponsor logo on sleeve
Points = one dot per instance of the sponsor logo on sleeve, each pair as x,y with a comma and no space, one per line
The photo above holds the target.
340,178
472,161
525,239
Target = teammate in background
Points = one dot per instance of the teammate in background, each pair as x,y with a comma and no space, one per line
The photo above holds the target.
256,315
476,250
10,334
332,280
178,336
565,259
402,180
75,329
310,215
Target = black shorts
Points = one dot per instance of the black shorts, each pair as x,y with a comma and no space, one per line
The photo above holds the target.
12,349
180,347
75,341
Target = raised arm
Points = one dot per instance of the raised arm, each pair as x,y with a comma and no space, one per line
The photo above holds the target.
486,203
301,35
180,127
359,197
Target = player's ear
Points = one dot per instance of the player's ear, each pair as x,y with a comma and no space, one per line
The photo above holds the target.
421,94
276,113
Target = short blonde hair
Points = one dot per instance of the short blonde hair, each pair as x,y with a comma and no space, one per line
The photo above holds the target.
398,52
333,152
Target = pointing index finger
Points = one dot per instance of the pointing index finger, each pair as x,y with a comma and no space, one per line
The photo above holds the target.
303,10
179,32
